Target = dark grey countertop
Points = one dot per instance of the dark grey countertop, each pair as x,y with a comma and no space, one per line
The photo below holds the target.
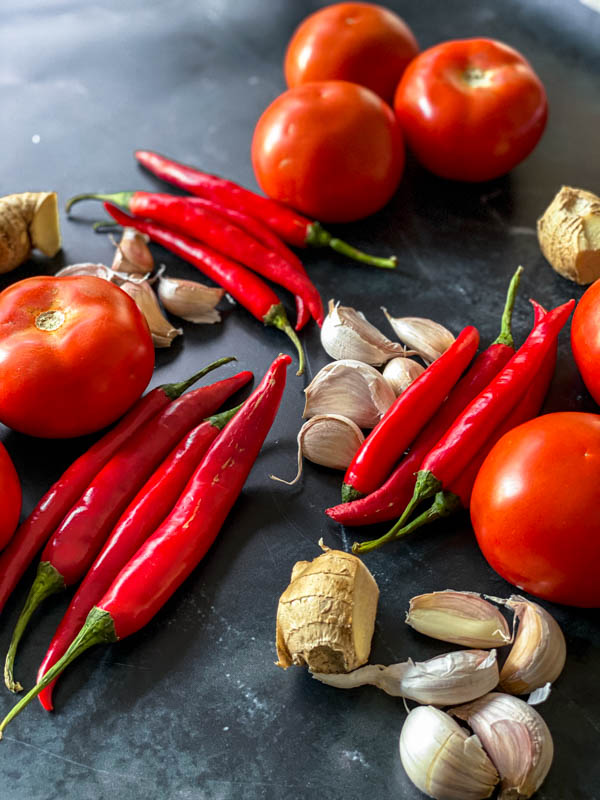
193,707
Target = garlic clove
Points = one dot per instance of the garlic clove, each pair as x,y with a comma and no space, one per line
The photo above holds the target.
95,270
133,255
426,337
442,759
459,617
347,334
161,329
350,388
401,372
515,737
330,440
190,300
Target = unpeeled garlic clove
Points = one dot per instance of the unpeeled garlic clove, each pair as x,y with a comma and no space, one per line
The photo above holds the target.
330,440
464,674
347,334
458,617
515,737
350,388
401,372
427,338
190,300
133,255
161,329
95,270
442,759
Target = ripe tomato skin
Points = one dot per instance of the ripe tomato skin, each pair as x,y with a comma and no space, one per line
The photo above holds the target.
331,149
82,373
535,508
10,492
585,339
471,109
358,42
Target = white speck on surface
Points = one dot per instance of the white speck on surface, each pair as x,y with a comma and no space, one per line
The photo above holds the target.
355,755
226,727
36,138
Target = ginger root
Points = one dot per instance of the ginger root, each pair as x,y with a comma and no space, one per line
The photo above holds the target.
28,220
326,616
569,234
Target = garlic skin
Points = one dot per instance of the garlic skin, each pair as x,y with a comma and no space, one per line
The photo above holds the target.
347,334
436,682
133,255
515,737
459,617
350,388
190,300
330,440
538,654
427,338
161,329
442,759
93,270
401,372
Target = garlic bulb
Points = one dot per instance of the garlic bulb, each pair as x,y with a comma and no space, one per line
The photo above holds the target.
330,440
437,682
133,255
427,338
95,270
350,388
401,372
161,329
458,617
190,300
515,737
442,759
347,334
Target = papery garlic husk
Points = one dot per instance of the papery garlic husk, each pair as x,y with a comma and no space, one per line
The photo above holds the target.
94,270
350,388
427,338
133,255
464,674
442,759
515,737
190,300
347,334
330,440
161,329
458,617
401,372
538,654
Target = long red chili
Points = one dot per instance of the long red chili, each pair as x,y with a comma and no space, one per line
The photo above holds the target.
404,419
141,518
75,544
389,500
247,288
187,216
168,556
293,228
33,533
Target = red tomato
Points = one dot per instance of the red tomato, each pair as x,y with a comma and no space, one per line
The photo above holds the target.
10,492
535,508
585,339
471,109
357,42
331,149
75,354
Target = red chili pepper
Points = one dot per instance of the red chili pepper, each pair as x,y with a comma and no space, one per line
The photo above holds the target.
293,228
168,556
33,533
389,500
75,544
247,288
141,518
186,216
404,419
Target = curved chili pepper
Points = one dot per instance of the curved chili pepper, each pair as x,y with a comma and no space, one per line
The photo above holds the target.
404,419
167,557
293,227
75,544
186,216
246,287
389,500
142,516
33,533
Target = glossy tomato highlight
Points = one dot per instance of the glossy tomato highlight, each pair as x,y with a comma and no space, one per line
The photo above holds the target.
585,339
10,494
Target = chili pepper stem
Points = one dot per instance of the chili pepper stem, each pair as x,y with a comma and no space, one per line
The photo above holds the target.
505,336
98,628
48,581
319,237
427,485
121,199
349,493
277,317
175,390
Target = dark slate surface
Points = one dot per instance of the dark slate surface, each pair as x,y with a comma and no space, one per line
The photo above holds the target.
192,707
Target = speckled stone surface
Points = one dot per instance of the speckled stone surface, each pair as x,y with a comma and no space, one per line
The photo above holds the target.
192,707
